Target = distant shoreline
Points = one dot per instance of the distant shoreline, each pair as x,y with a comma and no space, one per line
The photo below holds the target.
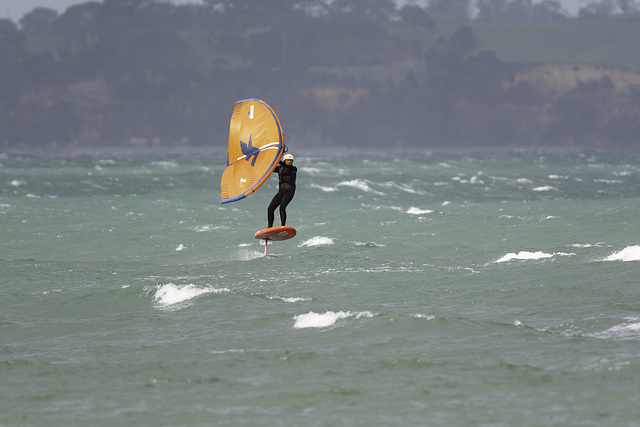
120,151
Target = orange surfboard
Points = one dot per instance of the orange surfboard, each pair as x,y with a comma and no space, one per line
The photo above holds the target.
275,234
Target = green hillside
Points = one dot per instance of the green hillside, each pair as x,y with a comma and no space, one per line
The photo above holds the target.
601,42
574,41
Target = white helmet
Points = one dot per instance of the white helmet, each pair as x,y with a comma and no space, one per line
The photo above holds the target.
287,157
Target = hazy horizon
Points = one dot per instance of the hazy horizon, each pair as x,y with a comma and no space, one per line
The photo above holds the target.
16,9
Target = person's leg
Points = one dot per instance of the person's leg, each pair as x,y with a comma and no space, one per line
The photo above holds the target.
286,198
272,208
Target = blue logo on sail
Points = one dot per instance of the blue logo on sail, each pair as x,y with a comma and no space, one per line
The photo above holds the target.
250,151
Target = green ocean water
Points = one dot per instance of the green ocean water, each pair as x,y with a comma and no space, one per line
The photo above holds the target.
430,289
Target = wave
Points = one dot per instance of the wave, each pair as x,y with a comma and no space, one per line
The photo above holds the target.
172,296
288,299
248,255
165,164
360,185
403,187
545,188
524,255
417,211
323,188
624,331
317,320
630,253
317,241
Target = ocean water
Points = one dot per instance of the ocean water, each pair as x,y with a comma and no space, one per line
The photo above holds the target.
427,289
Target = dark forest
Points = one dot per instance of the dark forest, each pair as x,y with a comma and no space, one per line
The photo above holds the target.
349,73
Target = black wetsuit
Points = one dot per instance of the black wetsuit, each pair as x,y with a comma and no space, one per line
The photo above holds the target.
286,190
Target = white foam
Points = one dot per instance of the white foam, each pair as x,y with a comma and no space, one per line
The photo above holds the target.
377,245
170,295
323,188
608,181
248,255
360,185
317,320
289,299
403,187
624,331
208,227
313,171
17,183
585,245
524,255
630,253
317,241
106,162
165,164
424,316
180,247
545,188
417,211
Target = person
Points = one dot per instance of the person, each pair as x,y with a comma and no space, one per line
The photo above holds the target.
286,189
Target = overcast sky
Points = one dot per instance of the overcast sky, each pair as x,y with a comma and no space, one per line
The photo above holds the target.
16,9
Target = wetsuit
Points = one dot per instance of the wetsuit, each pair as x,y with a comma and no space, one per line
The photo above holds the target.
286,190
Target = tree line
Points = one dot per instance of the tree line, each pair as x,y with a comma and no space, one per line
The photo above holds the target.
344,73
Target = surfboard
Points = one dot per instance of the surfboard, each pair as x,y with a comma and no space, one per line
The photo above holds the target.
275,234
256,145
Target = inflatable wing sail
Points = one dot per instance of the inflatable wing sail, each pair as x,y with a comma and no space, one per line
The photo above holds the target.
256,145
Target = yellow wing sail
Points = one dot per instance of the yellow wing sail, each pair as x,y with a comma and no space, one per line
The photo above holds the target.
256,145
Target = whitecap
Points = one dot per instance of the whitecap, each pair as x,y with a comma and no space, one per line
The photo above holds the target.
180,247
248,255
317,320
17,183
524,255
417,211
403,187
545,188
165,164
178,296
317,241
207,228
313,171
624,331
370,244
584,245
424,316
324,188
630,253
608,181
288,299
360,185
106,162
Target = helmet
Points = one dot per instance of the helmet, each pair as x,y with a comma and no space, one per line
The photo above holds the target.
287,157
